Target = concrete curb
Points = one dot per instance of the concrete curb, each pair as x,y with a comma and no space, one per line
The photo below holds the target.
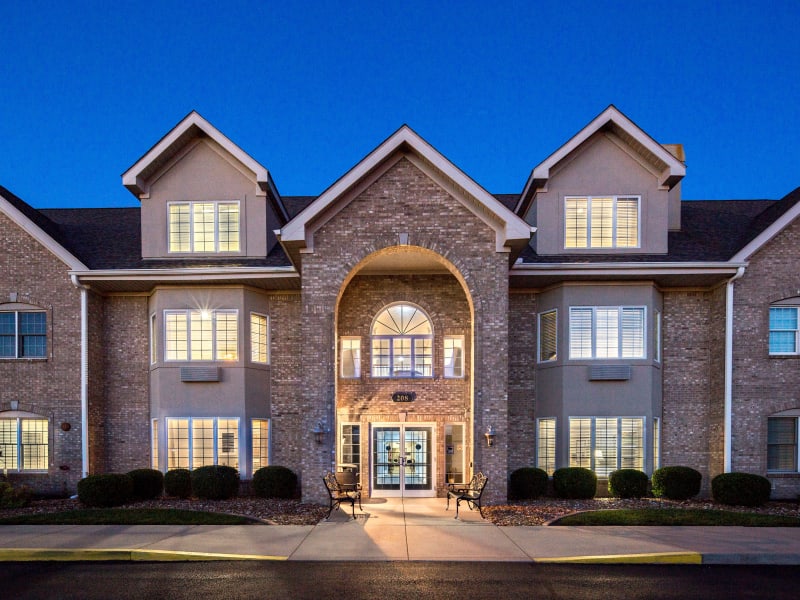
672,558
120,554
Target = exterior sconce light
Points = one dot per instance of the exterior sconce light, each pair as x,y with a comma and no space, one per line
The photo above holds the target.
319,432
14,404
490,435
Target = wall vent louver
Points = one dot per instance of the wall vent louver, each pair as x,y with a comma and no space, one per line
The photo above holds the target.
609,372
194,374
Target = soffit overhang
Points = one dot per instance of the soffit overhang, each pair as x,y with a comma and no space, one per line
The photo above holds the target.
511,232
138,178
665,275
144,280
612,123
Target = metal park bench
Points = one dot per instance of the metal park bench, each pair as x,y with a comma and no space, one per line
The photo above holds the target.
340,491
470,493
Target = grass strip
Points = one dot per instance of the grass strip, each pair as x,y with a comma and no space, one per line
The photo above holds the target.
128,516
677,516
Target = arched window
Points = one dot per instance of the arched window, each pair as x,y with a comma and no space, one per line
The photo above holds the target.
402,342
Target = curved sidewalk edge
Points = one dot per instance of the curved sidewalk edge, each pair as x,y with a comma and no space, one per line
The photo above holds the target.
119,554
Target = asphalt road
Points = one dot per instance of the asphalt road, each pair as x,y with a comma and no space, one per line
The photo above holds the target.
390,580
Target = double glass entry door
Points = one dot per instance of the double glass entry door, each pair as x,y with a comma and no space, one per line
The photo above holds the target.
402,460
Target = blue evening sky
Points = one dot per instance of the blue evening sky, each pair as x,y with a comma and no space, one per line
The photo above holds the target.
309,88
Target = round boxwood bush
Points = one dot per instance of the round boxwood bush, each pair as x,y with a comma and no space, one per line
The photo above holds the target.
628,483
147,483
109,489
14,497
274,482
178,482
215,482
574,482
745,489
527,483
676,483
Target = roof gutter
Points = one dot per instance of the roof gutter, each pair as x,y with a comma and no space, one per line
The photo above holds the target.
588,268
728,433
84,374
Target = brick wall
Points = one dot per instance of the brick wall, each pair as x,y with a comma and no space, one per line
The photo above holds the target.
522,381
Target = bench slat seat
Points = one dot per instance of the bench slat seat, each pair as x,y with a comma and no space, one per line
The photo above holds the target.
339,493
470,493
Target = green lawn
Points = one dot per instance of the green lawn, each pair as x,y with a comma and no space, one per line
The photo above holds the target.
676,516
128,516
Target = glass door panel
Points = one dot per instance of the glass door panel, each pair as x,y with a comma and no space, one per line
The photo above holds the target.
402,460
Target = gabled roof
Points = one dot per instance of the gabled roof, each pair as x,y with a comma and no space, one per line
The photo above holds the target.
661,159
768,224
193,126
511,230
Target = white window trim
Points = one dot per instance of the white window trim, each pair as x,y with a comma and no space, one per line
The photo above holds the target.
340,444
357,365
461,361
393,337
619,355
787,415
187,312
154,445
645,440
190,204
18,336
555,443
153,339
656,443
266,335
215,420
252,445
614,198
539,336
657,334
796,331
20,445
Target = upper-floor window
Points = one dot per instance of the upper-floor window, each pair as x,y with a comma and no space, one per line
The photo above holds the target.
23,334
402,343
259,338
548,336
606,332
350,357
205,227
454,356
201,335
783,330
601,222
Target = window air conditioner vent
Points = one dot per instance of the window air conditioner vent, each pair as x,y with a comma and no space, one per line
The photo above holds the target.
191,374
609,372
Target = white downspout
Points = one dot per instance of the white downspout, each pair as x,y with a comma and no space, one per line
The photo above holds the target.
728,433
84,375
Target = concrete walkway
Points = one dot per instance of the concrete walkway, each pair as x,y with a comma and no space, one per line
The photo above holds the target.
407,530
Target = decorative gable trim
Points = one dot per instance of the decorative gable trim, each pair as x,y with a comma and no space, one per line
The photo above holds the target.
36,232
511,230
138,177
641,143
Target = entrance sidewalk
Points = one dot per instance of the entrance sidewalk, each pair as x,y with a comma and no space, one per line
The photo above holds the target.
406,530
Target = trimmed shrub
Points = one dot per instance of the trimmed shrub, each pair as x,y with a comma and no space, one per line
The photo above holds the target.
574,482
745,489
628,483
109,489
178,482
527,483
275,482
676,483
14,497
147,483
215,482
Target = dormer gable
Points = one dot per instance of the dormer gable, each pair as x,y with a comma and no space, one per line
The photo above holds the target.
202,196
610,189
511,232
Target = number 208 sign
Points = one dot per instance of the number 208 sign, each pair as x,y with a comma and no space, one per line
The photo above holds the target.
404,396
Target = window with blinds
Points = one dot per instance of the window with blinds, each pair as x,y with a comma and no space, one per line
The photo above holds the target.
546,444
601,222
606,444
606,332
782,444
548,336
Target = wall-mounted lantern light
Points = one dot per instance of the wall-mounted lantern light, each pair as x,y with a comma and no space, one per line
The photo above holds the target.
490,435
319,432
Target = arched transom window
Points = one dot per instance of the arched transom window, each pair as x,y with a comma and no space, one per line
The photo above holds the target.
402,342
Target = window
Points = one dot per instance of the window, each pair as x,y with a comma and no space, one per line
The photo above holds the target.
546,445
23,334
259,338
207,227
260,443
657,338
201,335
202,441
454,356
351,444
351,358
548,336
402,343
656,443
783,330
455,451
606,332
782,444
605,444
154,444
153,337
23,444
601,222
